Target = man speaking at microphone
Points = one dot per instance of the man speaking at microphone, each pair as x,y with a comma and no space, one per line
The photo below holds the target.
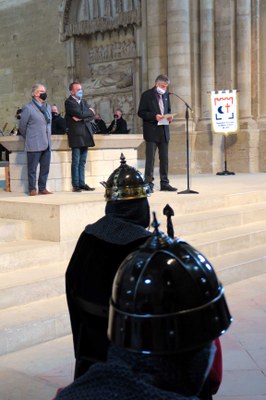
154,108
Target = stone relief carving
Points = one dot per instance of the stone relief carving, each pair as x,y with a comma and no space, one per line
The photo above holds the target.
101,51
109,76
107,103
91,9
85,17
94,16
126,49
101,24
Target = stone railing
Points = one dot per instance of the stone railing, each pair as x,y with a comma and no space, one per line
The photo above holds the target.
102,160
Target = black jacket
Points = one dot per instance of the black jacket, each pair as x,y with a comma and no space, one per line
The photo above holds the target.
148,108
100,250
58,125
121,126
79,134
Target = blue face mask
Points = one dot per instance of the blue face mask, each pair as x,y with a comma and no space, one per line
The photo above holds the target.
79,94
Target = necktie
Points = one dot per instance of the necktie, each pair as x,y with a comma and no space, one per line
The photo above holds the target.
161,104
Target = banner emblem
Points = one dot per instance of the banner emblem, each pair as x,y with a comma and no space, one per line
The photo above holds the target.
224,111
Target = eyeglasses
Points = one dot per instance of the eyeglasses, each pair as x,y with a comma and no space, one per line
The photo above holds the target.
163,85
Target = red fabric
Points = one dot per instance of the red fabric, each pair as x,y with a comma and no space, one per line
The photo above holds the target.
216,372
58,391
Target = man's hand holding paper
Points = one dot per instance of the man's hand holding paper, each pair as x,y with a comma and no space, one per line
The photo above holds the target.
166,119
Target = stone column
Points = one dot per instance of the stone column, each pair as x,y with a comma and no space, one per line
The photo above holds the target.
156,39
261,40
244,80
70,50
179,52
151,48
207,80
195,59
207,71
243,62
180,48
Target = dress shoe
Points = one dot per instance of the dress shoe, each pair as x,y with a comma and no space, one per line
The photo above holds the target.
86,187
45,191
76,189
32,193
168,188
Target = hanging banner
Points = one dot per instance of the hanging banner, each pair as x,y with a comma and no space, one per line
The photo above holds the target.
224,111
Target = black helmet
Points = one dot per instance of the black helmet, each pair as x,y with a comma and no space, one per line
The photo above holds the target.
125,183
166,299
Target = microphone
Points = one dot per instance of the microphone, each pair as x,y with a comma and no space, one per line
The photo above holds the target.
180,98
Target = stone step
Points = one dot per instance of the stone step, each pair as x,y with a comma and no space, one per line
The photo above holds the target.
57,218
230,230
63,216
12,230
30,284
191,204
217,220
33,323
229,240
32,253
240,265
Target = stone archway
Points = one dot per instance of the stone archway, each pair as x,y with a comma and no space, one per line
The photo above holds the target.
102,53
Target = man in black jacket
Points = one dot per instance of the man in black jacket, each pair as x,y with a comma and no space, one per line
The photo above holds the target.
58,122
119,124
78,115
154,104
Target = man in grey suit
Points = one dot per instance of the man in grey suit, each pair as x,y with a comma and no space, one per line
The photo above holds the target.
35,127
80,136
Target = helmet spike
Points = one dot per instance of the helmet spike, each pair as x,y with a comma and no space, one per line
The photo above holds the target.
169,212
123,159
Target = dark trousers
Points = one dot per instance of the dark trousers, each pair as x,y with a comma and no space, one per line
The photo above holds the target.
33,159
163,161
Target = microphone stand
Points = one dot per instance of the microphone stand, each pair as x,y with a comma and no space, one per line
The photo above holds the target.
187,191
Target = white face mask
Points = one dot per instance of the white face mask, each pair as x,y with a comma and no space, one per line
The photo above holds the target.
160,90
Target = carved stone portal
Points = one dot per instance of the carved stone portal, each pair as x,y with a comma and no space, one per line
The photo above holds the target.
101,48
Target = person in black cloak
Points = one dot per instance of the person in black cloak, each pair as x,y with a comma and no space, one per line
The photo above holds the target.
167,308
100,249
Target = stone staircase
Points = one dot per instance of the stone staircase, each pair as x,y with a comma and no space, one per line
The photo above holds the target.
229,229
32,304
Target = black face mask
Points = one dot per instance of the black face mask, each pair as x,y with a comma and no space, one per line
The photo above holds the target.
55,114
43,96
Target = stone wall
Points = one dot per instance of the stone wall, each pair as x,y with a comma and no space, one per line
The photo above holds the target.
117,48
30,52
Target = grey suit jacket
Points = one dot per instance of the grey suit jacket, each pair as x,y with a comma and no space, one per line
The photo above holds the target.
34,128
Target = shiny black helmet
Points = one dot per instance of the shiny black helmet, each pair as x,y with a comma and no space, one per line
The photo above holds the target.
125,183
166,299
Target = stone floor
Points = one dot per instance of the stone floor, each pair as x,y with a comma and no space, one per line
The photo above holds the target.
244,344
36,373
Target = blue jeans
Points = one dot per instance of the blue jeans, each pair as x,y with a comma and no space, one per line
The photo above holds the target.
33,159
79,157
